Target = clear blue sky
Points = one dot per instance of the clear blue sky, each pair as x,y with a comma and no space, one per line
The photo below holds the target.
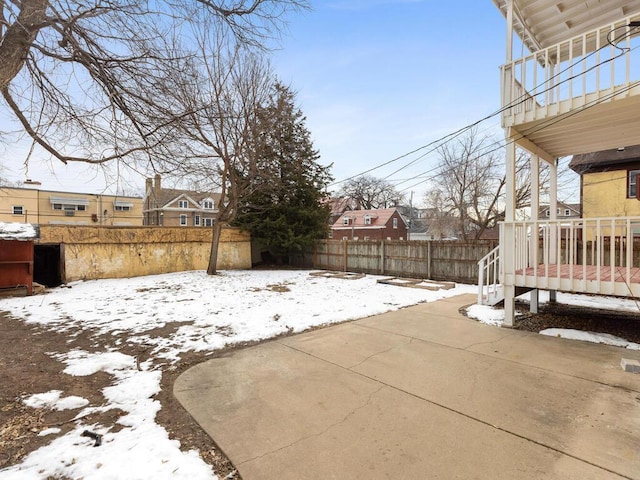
380,78
375,78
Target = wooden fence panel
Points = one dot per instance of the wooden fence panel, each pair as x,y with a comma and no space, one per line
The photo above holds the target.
437,260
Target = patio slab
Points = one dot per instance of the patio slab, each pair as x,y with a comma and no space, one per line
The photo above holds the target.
422,392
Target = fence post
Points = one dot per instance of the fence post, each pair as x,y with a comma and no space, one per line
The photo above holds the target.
429,259
382,252
344,255
315,254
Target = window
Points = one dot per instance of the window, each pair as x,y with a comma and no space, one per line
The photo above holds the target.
631,191
69,208
183,204
366,239
367,219
196,220
557,211
395,223
346,221
330,234
208,204
567,212
18,210
120,206
547,213
208,222
183,220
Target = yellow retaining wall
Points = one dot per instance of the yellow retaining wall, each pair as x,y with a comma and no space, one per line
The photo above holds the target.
118,252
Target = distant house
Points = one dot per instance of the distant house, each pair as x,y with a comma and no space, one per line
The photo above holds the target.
41,207
338,206
563,210
171,207
383,224
608,182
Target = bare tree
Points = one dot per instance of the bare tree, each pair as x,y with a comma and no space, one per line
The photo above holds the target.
215,102
81,77
371,193
470,183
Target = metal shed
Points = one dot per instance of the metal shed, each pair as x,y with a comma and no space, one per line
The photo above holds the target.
16,257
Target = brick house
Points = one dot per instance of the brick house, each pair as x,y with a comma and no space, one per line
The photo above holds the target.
172,207
382,224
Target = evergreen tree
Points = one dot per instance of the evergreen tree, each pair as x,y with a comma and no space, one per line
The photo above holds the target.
284,210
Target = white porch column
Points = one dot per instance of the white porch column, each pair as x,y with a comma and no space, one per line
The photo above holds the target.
535,216
507,232
507,239
553,216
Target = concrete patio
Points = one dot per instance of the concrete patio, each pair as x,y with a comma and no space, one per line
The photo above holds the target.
422,392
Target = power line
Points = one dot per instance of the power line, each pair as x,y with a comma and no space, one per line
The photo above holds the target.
535,129
518,101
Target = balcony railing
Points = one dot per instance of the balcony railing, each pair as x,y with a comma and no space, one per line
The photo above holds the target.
595,66
600,255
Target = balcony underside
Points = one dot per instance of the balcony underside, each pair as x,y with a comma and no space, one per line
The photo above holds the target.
590,123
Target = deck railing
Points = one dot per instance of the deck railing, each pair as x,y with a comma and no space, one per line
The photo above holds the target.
588,67
600,255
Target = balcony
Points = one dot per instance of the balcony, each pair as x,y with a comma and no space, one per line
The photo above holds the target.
599,255
581,95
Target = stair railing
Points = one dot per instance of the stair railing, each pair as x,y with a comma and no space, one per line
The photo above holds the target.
488,275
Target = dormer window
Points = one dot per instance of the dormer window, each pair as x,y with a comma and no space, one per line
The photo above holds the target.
346,221
208,204
367,219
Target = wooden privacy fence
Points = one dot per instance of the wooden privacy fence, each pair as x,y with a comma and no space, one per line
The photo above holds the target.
436,260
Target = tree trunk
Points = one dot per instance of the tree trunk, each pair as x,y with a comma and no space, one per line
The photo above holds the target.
215,241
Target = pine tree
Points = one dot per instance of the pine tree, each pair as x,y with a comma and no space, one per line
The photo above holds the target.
284,210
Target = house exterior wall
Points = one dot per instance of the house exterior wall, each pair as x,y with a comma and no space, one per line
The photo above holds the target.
39,207
91,252
604,194
171,215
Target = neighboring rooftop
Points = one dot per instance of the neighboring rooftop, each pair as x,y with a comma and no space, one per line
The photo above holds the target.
377,218
585,162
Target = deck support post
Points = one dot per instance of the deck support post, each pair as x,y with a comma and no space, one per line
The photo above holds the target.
534,238
534,301
553,216
508,237
509,305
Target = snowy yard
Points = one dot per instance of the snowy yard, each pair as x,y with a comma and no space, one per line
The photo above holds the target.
205,313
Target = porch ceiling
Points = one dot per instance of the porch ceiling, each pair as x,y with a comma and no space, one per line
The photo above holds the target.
600,127
543,23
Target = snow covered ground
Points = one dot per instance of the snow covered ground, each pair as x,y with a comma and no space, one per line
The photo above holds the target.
211,312
495,316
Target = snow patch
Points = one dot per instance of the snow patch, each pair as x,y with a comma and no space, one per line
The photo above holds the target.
592,337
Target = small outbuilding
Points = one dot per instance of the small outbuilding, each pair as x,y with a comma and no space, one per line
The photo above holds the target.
16,257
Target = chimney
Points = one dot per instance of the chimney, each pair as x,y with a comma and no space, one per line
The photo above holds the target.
157,186
148,185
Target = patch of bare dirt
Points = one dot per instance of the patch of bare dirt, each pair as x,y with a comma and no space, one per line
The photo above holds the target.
27,368
621,324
